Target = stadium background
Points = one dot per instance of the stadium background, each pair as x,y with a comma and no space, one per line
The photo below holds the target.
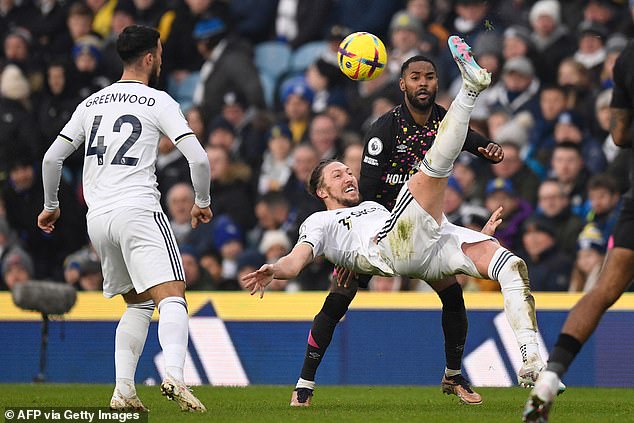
283,53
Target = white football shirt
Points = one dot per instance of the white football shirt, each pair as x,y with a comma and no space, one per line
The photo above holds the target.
121,126
346,237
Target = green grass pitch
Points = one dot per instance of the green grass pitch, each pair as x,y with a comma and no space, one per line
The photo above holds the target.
337,404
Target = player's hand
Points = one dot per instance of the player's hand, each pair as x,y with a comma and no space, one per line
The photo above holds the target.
494,221
344,276
46,220
492,152
200,215
259,279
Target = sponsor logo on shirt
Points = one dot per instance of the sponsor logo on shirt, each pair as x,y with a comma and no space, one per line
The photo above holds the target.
370,161
397,179
401,148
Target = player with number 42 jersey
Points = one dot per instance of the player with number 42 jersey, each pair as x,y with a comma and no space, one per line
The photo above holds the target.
121,126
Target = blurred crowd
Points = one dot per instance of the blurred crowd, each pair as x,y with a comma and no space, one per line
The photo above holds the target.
259,84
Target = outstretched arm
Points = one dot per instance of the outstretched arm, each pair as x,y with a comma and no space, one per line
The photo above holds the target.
288,267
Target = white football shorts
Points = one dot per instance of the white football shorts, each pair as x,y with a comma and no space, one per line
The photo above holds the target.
415,245
137,250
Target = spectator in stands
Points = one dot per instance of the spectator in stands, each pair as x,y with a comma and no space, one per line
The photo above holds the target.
276,244
613,48
278,161
78,24
405,38
181,60
86,57
518,89
23,196
548,267
578,83
591,48
457,210
569,127
305,159
82,269
7,243
604,199
425,11
180,199
228,67
17,267
46,24
250,126
513,168
152,13
385,284
171,167
230,189
17,131
298,22
254,20
196,122
324,137
468,19
297,99
324,79
197,278
553,205
15,14
567,167
229,243
211,262
551,39
122,16
517,43
591,248
222,134
19,49
273,212
373,17
552,102
352,155
465,172
500,192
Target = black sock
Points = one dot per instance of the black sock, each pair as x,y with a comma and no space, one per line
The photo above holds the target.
334,308
564,352
454,325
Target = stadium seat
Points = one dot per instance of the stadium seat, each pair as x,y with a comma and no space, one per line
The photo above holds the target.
305,55
272,58
268,86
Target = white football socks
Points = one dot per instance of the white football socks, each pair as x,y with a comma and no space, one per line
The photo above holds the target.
173,333
129,341
519,305
303,383
438,161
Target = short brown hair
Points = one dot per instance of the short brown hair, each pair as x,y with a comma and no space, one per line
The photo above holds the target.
317,177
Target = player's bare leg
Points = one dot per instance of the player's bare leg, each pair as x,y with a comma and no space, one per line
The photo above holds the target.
129,341
173,335
616,274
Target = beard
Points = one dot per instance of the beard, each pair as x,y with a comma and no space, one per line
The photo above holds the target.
153,77
346,202
421,105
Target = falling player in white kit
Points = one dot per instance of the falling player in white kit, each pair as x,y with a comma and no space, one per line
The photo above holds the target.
415,239
121,126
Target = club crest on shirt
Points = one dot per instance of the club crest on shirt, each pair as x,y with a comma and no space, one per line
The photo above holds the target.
375,146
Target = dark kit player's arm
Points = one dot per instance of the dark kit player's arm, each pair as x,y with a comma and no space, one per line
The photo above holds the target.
379,142
622,101
481,146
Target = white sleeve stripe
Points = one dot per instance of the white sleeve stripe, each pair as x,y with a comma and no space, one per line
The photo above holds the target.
182,137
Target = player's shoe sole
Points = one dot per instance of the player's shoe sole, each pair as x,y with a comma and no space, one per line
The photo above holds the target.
460,387
120,403
536,410
301,397
473,75
182,395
